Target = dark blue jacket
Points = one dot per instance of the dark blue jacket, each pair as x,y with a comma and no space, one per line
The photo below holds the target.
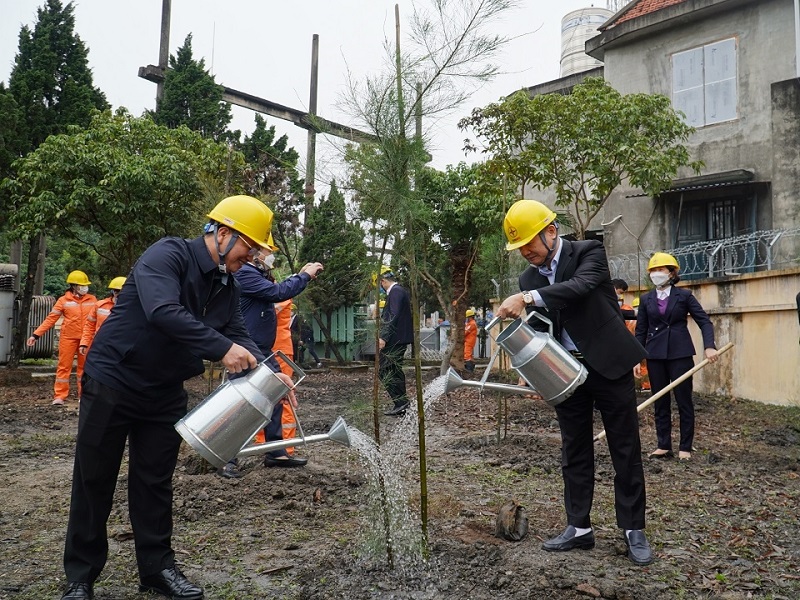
396,326
172,313
259,296
582,301
666,336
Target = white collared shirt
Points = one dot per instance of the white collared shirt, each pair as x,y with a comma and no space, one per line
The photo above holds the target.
663,294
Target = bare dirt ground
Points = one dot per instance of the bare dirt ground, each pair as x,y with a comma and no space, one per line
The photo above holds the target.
723,526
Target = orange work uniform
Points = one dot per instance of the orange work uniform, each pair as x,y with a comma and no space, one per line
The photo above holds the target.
470,337
74,309
283,342
96,318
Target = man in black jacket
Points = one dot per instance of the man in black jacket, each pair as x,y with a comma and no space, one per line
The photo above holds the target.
179,305
396,334
570,283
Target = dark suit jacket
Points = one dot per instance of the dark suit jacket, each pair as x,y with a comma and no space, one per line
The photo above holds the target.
666,336
582,301
396,327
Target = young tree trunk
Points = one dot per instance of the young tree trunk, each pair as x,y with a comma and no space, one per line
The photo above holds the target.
330,346
461,263
34,259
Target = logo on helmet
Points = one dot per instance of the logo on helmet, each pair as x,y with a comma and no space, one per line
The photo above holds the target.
512,232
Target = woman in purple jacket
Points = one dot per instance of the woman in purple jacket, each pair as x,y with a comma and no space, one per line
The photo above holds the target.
661,327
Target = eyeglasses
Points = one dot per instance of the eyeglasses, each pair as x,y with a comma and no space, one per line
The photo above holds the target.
252,250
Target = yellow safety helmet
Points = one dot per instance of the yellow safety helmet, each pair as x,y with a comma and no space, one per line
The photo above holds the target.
271,243
245,214
116,283
469,313
662,259
524,220
78,278
384,270
635,302
382,303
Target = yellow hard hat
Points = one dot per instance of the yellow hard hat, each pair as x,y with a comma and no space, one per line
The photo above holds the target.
245,214
116,283
78,278
384,270
524,220
662,259
382,303
271,243
635,302
470,313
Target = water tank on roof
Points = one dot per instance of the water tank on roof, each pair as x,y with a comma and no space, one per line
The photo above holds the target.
576,28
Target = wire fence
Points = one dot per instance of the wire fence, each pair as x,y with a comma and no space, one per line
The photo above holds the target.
758,251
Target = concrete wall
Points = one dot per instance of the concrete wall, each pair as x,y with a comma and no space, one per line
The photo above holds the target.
758,313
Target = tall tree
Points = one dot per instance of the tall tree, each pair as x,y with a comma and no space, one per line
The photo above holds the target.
584,144
51,81
272,172
192,97
338,243
10,142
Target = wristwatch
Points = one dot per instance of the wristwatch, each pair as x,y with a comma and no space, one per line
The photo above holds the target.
527,297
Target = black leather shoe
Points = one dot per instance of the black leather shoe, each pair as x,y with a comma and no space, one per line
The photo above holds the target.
288,462
172,584
77,590
230,471
398,410
567,540
638,549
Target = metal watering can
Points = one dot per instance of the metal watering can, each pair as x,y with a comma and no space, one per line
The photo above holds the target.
537,357
219,427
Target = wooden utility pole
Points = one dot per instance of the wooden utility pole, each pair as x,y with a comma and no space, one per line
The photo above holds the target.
311,149
309,121
163,49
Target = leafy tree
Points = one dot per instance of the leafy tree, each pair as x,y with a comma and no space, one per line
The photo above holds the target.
51,81
124,178
192,97
272,172
339,245
10,141
584,144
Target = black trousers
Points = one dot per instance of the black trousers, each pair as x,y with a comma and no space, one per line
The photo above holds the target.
616,401
107,419
390,370
662,373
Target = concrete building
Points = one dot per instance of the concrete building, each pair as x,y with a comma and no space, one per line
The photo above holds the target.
732,67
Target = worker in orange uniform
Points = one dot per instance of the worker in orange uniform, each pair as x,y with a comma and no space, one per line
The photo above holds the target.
286,313
470,337
99,314
74,307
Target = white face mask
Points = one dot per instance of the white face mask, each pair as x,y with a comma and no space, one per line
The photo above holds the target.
268,261
82,290
659,278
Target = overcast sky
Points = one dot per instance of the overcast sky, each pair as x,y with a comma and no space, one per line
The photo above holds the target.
264,48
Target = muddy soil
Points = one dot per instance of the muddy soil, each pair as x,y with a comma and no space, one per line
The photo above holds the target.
723,525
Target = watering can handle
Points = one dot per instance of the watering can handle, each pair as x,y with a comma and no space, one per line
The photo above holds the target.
527,316
298,371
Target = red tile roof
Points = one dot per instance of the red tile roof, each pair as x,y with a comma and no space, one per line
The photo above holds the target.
642,7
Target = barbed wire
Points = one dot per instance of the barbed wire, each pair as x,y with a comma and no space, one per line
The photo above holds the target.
764,250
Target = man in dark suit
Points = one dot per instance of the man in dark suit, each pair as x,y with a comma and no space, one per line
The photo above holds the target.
569,282
396,334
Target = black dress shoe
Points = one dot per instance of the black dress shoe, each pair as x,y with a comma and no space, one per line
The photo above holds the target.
398,410
638,549
172,584
288,462
77,590
567,540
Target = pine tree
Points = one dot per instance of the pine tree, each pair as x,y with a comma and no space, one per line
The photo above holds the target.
192,97
337,243
51,82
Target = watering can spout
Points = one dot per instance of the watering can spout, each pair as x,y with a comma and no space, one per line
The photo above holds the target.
337,433
454,381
